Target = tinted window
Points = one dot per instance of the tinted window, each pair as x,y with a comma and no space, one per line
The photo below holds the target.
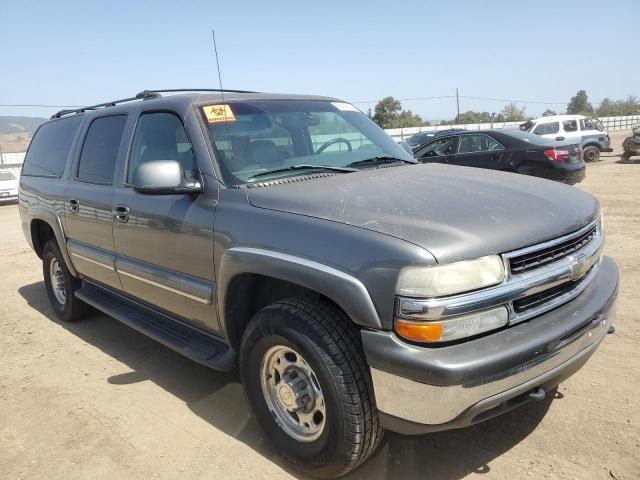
100,149
438,148
477,143
161,136
570,125
547,128
50,147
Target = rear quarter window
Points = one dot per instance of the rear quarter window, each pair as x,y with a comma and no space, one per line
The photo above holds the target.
47,154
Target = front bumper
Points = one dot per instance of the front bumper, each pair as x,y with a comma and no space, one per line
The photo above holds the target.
423,389
8,195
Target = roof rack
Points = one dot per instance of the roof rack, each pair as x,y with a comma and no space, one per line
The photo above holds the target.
144,95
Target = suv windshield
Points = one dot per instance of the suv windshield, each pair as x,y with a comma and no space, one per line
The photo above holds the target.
253,138
6,176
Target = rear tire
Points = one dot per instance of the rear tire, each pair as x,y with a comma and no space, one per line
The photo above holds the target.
61,285
321,349
591,154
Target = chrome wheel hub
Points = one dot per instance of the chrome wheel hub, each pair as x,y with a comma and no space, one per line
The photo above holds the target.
292,393
57,281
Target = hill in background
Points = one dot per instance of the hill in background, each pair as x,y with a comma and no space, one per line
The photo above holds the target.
20,124
16,132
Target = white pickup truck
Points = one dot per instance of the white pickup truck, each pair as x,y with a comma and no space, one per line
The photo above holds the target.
8,187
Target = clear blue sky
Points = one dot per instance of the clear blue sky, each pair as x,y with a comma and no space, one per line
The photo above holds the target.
82,52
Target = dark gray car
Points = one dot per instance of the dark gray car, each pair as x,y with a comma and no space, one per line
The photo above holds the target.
290,236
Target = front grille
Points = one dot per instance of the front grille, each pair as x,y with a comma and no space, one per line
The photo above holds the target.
530,261
545,296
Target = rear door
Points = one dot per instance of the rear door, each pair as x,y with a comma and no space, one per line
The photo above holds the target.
164,243
89,200
477,150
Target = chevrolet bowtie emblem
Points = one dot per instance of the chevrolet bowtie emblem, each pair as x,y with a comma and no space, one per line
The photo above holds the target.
579,266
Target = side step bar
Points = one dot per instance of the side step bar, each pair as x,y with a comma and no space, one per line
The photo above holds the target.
189,341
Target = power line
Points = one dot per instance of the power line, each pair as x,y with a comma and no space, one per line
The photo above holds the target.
505,100
38,105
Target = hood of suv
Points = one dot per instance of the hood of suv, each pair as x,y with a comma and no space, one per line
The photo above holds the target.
455,213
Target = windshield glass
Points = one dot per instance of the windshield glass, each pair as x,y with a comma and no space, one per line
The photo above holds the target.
6,176
252,138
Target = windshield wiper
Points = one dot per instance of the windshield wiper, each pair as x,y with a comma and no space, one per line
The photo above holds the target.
346,169
380,159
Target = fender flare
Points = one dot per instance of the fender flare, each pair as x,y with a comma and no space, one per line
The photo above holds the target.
345,290
53,220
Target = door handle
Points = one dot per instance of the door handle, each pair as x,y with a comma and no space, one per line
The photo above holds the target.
121,213
74,205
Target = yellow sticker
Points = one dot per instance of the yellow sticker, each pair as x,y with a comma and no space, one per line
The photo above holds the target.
219,113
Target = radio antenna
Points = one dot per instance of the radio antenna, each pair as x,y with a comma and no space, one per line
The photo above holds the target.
215,49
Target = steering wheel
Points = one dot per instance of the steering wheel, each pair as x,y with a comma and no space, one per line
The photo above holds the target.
326,145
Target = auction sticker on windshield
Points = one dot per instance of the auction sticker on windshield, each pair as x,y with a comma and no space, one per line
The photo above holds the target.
344,107
219,113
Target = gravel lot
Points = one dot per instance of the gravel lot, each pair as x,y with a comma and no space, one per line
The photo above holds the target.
98,400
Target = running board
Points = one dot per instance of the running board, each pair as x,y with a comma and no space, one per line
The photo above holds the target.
189,341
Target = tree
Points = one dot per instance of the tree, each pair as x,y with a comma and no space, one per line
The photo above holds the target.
548,113
580,104
406,119
369,112
385,111
629,106
388,113
512,113
469,117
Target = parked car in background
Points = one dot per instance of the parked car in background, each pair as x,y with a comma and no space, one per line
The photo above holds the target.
508,150
586,131
421,138
8,186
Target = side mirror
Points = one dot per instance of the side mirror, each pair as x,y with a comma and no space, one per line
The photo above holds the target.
559,139
163,177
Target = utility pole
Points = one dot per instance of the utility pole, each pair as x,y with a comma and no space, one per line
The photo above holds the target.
458,103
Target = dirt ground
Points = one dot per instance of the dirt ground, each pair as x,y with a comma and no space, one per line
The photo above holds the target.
97,400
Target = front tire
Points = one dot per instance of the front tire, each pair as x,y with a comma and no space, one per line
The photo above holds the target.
308,386
61,285
591,154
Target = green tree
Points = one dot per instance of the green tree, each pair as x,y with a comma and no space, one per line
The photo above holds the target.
580,104
512,113
388,113
628,106
548,113
385,111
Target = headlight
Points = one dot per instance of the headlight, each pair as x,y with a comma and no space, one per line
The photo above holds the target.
449,279
453,328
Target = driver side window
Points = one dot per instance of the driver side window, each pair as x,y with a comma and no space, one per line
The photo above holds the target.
548,128
161,136
438,148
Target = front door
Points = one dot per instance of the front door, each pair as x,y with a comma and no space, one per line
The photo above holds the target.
164,243
88,213
437,151
477,150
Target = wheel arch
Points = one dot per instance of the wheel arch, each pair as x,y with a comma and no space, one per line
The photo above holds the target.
43,226
251,278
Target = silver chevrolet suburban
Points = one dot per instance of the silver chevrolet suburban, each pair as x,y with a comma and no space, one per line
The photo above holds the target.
289,236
